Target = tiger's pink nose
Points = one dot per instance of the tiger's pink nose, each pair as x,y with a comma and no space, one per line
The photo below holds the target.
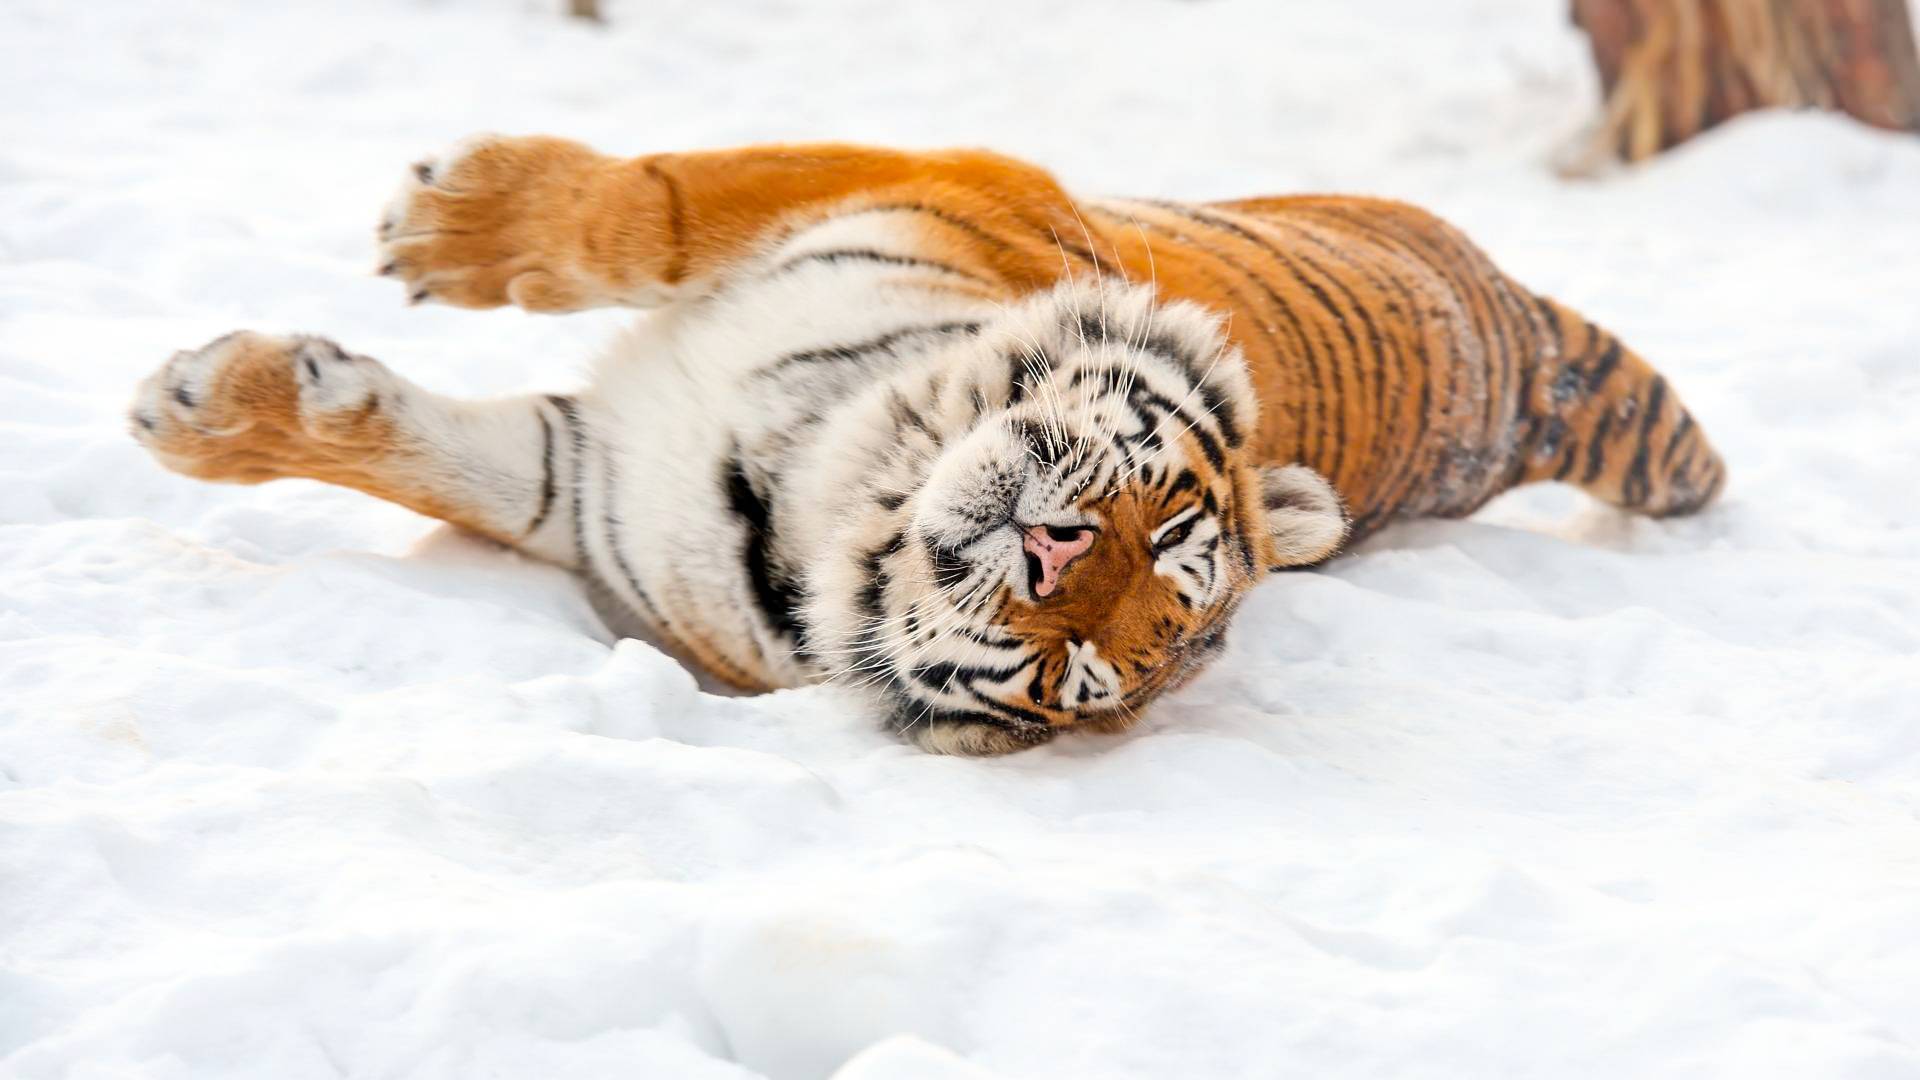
1049,549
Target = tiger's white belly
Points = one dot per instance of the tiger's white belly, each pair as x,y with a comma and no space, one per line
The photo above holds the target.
695,416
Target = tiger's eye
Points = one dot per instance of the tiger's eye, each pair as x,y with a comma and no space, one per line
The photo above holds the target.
1177,536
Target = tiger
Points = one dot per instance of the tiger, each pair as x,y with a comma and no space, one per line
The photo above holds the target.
920,423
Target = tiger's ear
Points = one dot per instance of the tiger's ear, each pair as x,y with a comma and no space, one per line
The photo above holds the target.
1305,519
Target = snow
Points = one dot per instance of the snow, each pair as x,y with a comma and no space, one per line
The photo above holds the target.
296,784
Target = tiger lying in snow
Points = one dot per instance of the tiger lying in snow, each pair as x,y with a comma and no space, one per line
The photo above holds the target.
924,423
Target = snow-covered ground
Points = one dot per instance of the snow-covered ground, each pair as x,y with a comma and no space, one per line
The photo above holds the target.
295,784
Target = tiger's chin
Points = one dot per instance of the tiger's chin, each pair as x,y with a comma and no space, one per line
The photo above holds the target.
975,739
972,739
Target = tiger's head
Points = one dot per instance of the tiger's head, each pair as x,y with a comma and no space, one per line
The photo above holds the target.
1058,518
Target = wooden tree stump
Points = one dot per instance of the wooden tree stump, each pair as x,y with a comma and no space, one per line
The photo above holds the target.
1671,69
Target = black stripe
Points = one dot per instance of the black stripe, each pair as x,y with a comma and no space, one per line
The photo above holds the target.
1050,221
874,591
1483,292
1336,385
1673,442
1473,279
1597,448
1073,247
1603,367
869,255
1398,485
1493,310
1380,443
1566,463
547,489
1169,350
1037,687
859,350
1020,718
1718,470
778,600
1455,367
1635,487
1030,362
1685,471
866,646
912,713
950,568
901,411
1185,481
946,216
1241,525
1501,326
611,518
1266,334
1221,410
1552,320
1095,328
1091,461
1353,346
1305,350
1107,374
1526,426
1209,446
577,440
1384,283
943,675
983,637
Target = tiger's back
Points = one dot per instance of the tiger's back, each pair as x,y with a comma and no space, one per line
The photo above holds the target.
1392,356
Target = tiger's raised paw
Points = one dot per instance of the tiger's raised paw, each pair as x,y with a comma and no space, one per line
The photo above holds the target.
250,407
495,220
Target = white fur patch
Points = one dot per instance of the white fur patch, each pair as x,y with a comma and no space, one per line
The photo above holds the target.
1089,680
1305,519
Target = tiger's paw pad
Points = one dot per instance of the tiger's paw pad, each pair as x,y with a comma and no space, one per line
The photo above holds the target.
249,407
488,223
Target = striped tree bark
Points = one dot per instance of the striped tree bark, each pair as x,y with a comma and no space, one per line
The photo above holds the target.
1670,69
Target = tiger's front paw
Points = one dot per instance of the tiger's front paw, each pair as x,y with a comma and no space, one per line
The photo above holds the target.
494,221
250,407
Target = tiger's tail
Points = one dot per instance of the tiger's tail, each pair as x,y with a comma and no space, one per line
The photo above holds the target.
1602,419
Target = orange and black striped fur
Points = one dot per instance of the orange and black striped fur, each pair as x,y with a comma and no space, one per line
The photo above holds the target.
1008,456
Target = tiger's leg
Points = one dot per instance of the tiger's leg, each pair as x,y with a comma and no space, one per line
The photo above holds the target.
252,407
1604,420
550,225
